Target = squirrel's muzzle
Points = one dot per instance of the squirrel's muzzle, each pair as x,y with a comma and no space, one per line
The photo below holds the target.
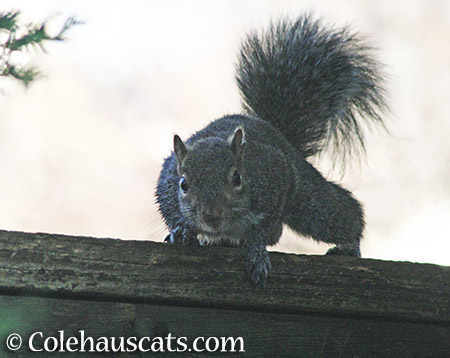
212,217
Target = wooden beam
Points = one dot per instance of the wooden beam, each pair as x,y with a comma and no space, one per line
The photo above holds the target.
264,334
61,266
327,303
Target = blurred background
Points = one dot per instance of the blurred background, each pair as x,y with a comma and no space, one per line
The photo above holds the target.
81,148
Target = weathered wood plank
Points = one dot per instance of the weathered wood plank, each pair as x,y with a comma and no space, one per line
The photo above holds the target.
60,266
264,334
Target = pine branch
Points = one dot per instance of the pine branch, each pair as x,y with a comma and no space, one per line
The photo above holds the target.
24,75
8,20
70,22
32,35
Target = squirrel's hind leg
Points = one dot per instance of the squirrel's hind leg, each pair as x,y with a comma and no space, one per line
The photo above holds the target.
327,213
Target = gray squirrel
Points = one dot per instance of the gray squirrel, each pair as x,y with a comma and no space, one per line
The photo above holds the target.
304,87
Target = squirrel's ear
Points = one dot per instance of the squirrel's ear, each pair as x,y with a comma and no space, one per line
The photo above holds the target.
237,141
179,149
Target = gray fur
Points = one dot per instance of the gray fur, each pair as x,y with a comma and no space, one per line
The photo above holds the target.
245,175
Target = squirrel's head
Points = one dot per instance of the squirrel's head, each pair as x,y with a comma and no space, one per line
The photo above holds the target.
212,188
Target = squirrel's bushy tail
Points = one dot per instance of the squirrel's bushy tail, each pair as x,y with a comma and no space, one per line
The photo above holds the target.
317,85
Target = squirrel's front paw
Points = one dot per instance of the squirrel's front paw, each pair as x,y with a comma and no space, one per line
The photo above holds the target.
258,265
182,236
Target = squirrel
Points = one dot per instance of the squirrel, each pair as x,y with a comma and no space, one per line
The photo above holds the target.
305,87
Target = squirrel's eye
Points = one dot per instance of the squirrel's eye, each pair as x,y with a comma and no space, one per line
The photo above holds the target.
184,185
236,179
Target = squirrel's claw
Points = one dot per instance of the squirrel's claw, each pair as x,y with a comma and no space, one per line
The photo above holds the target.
181,236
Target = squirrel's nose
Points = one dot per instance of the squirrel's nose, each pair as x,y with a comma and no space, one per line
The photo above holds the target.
212,216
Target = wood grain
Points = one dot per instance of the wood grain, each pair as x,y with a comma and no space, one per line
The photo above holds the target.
60,266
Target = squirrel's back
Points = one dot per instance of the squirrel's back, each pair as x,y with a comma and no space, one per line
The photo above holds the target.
314,83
